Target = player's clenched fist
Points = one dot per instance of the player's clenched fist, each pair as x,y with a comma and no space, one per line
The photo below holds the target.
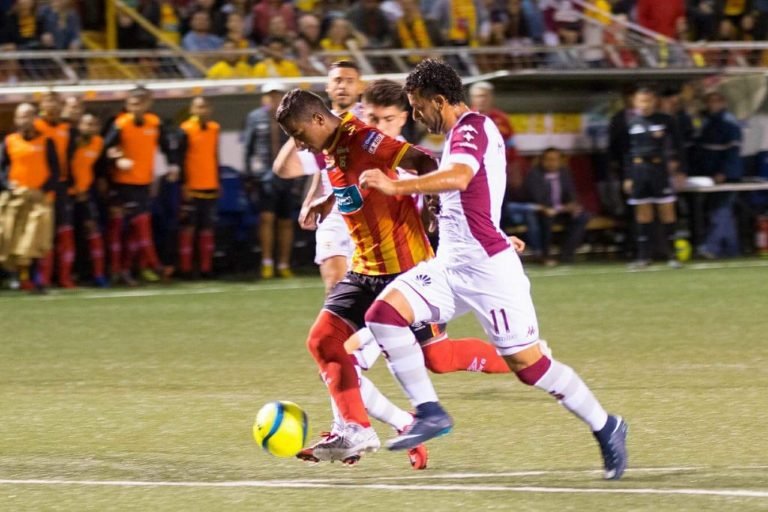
313,214
376,179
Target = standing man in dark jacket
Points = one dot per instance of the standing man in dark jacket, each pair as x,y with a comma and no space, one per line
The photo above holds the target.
550,187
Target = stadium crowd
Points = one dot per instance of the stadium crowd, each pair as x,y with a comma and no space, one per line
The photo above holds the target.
288,35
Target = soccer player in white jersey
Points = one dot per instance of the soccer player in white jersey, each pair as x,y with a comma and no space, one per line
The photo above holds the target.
333,246
475,270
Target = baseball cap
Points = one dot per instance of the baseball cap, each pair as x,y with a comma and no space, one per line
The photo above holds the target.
273,86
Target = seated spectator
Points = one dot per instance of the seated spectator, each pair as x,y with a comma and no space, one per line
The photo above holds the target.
279,29
275,65
342,36
236,31
550,187
412,31
218,19
130,35
264,11
170,21
231,65
702,20
306,44
199,38
9,71
717,149
667,17
22,25
368,18
462,22
60,26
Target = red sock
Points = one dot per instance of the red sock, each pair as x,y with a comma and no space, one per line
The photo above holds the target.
206,246
114,239
465,354
185,249
45,269
65,254
96,249
147,255
130,248
326,344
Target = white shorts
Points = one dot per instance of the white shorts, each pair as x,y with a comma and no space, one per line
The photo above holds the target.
332,239
496,290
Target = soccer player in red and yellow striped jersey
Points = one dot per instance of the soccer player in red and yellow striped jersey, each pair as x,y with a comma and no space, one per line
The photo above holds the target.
389,239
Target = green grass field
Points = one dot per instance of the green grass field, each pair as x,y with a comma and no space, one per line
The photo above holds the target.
144,400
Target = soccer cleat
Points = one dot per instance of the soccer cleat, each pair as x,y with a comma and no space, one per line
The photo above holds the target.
434,422
267,271
150,275
613,445
285,272
308,453
418,457
101,282
350,444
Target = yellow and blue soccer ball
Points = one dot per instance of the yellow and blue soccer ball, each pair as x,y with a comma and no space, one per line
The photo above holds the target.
281,428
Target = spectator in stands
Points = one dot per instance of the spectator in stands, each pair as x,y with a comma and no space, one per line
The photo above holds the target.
306,44
667,17
236,34
275,65
463,22
22,25
550,187
413,31
342,36
671,104
199,37
278,198
230,66
718,147
279,29
130,35
367,17
264,11
702,20
9,69
169,21
218,19
243,8
59,26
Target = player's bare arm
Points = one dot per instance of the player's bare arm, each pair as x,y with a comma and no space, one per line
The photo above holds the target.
416,161
455,176
316,211
287,165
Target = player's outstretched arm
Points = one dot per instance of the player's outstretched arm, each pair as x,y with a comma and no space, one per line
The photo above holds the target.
417,161
287,164
455,176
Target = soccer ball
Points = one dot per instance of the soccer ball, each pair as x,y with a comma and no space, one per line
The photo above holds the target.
281,428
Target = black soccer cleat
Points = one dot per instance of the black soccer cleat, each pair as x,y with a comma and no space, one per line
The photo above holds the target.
613,446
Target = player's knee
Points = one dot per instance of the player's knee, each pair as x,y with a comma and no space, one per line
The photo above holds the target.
326,338
382,312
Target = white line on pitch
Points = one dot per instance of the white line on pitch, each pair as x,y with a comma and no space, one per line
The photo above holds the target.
739,493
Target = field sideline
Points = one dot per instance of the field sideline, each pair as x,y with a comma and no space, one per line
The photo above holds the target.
143,399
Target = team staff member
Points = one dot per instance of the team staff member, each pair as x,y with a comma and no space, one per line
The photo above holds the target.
655,150
29,171
132,141
198,153
62,133
86,158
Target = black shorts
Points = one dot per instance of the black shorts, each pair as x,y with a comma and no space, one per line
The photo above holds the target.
351,297
199,212
650,184
63,208
87,210
279,196
131,199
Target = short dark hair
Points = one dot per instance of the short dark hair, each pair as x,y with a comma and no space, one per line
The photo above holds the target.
432,77
386,93
348,64
299,105
139,92
646,89
550,149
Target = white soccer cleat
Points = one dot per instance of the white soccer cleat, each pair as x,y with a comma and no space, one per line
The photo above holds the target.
350,445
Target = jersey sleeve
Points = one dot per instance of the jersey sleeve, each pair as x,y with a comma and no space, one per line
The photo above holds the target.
310,162
385,150
468,142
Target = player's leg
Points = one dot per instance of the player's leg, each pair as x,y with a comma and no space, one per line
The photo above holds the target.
332,270
65,239
499,294
333,248
149,262
641,198
187,216
267,218
664,197
206,240
285,227
446,355
95,241
421,294
115,232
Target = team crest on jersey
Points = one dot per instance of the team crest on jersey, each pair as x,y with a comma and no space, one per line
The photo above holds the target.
372,141
349,199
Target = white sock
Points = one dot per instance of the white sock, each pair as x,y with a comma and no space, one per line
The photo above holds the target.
337,427
406,361
564,384
380,407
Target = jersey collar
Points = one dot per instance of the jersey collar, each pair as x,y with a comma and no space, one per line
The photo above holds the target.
344,120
